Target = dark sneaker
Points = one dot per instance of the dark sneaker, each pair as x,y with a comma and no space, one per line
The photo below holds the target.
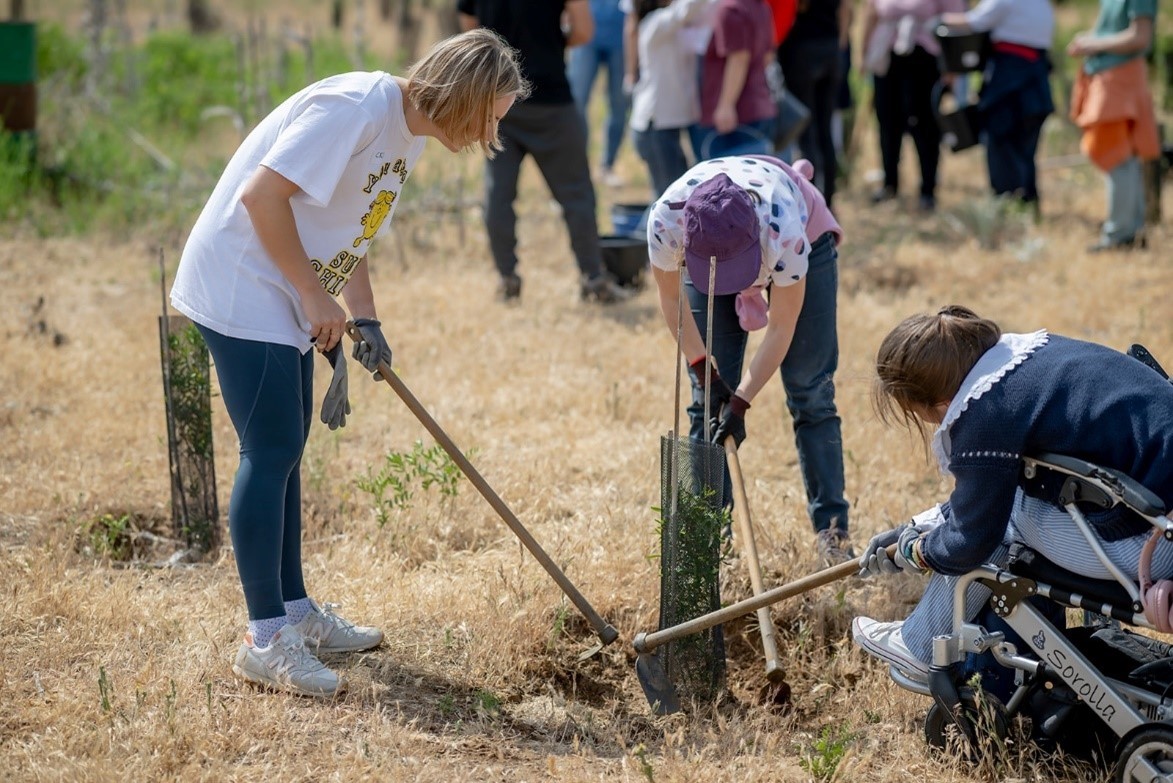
882,195
604,290
926,203
509,289
834,546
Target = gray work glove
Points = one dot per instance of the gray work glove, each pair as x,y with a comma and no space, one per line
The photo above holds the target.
875,559
373,347
336,405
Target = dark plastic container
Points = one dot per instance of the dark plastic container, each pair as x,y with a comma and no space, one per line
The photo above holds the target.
626,258
962,52
960,126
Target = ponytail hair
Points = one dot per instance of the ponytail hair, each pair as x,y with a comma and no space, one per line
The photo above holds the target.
924,359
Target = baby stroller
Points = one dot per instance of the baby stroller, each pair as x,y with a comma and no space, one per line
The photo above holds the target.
1099,687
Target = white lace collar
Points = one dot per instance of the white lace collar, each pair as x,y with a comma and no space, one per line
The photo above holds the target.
1008,353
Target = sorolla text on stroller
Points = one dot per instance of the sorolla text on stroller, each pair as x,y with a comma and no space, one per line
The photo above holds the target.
1075,674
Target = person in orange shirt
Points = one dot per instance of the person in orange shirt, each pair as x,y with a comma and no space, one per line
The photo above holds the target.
1113,106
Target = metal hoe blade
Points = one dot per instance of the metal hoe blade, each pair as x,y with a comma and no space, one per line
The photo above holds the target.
658,689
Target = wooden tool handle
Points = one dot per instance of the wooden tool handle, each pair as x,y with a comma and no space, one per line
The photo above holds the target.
749,547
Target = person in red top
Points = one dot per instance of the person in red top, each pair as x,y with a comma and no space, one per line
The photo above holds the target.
784,12
737,109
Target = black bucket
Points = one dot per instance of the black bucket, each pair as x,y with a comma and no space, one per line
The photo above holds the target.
626,258
960,127
962,52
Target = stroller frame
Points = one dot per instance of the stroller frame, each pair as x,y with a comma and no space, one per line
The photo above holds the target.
1140,719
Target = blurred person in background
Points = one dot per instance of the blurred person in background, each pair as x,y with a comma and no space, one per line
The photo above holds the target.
1114,107
900,51
665,103
1016,91
285,231
603,51
810,60
549,127
775,243
737,107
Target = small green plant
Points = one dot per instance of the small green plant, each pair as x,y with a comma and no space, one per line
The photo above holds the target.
823,757
558,627
993,220
487,702
105,690
641,755
109,536
403,474
189,409
447,705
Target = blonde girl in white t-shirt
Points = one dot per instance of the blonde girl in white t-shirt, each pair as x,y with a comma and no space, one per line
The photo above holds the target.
284,232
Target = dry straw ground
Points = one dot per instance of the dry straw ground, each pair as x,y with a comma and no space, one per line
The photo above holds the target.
120,671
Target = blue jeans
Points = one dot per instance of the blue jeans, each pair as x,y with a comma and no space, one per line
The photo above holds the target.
268,390
584,64
663,151
807,376
1125,202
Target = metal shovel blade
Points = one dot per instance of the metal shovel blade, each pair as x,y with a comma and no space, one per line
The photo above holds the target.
658,689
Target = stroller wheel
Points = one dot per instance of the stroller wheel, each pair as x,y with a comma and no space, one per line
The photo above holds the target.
981,719
1148,753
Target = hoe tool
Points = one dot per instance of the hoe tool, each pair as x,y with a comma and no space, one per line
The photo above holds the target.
605,631
658,689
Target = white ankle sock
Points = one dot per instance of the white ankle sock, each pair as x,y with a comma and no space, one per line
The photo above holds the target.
263,630
297,610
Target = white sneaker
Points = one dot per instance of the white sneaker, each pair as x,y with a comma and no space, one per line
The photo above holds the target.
286,665
886,641
326,632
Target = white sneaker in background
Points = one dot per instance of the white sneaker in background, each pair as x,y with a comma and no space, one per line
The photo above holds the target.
286,665
326,632
886,641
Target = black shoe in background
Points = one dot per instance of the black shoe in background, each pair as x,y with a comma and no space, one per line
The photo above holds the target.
509,289
603,290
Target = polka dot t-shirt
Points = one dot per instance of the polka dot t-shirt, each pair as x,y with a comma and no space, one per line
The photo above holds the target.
782,214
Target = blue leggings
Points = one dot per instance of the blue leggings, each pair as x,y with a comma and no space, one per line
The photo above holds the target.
268,390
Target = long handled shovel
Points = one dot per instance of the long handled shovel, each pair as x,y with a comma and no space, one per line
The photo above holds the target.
774,671
650,670
605,631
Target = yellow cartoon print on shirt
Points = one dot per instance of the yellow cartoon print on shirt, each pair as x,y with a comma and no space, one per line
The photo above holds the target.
379,209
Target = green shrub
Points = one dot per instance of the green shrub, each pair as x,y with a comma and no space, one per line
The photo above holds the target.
181,76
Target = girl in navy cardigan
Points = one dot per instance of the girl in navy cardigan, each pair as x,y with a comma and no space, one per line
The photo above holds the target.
994,398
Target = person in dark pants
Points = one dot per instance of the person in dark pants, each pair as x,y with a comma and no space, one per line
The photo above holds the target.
1016,91
901,54
547,126
810,60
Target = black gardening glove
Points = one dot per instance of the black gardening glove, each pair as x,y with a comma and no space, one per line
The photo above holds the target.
732,422
373,347
336,403
711,383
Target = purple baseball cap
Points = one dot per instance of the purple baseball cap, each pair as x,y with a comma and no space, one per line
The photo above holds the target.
720,220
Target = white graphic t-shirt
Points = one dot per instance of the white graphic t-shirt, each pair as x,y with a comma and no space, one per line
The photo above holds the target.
344,141
782,215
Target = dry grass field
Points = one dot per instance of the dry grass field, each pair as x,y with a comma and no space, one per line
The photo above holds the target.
120,670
